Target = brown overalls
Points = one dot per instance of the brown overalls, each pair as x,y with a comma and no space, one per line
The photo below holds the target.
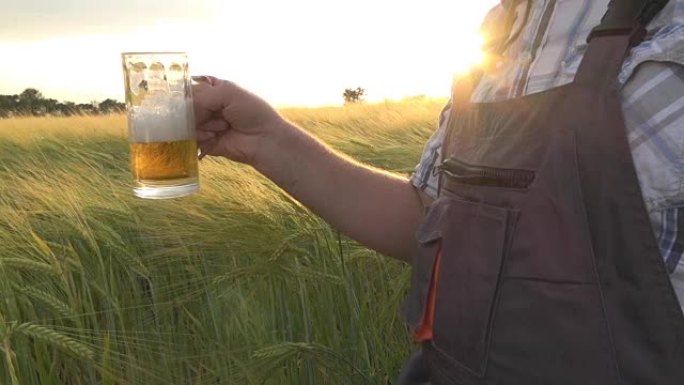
548,268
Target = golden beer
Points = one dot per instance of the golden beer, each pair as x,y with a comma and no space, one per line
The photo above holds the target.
161,124
162,162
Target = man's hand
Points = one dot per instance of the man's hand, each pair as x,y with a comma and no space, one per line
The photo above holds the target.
231,121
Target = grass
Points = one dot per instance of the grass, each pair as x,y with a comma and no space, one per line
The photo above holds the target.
238,284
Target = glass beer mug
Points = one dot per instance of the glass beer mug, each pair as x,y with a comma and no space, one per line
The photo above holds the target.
161,124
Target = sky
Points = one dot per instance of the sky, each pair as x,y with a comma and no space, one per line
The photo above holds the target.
292,53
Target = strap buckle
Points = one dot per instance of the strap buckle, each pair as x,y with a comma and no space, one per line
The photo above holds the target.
628,17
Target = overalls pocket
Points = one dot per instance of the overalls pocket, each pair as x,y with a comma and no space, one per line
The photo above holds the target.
429,237
471,239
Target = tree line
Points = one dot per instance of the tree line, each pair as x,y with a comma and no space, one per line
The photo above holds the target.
31,102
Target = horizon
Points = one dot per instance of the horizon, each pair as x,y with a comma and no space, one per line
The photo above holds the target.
304,59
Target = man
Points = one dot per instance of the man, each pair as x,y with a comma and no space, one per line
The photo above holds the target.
553,223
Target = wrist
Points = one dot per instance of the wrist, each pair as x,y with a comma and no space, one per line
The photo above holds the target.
272,145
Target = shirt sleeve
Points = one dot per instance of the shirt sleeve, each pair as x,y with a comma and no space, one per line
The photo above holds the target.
425,176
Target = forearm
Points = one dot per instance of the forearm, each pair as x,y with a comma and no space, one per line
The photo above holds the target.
376,208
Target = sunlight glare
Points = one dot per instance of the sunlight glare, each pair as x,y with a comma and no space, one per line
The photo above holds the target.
302,52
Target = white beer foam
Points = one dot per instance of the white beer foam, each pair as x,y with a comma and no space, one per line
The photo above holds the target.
162,117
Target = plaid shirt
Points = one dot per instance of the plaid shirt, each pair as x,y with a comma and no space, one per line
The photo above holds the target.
546,54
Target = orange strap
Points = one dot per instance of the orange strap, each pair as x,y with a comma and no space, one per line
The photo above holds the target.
424,330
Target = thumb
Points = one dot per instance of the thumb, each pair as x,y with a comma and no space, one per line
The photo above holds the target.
211,95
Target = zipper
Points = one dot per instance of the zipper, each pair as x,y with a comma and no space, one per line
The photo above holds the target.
469,174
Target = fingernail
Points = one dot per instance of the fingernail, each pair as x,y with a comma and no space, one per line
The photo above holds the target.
202,79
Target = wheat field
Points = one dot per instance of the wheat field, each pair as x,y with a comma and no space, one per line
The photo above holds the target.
238,284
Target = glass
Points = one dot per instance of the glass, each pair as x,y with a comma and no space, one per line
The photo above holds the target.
161,124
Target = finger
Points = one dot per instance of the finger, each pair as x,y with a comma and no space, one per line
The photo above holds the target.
200,80
205,79
213,98
202,154
205,107
205,135
201,85
206,147
202,113
214,125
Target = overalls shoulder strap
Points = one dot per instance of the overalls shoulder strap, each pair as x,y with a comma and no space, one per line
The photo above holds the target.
623,26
